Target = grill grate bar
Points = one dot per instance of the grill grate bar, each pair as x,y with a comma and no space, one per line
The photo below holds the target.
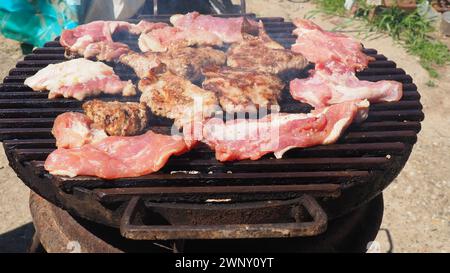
322,151
269,165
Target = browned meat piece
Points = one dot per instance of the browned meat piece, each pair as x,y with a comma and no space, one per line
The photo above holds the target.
117,118
183,61
261,53
188,61
175,97
241,90
141,64
106,51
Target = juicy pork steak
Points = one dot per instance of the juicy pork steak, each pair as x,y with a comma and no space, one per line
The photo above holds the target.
175,97
241,139
261,53
242,90
184,61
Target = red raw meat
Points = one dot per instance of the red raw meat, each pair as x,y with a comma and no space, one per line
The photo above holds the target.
277,133
324,48
73,130
324,88
117,157
229,30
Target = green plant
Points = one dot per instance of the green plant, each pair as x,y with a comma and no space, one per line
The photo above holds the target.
332,7
409,28
431,84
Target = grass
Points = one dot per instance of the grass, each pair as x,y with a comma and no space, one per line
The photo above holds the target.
409,28
332,6
431,84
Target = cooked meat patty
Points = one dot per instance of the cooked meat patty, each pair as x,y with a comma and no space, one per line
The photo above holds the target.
117,118
261,53
242,90
175,97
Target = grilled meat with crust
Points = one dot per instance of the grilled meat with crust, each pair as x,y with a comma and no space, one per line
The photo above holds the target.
140,63
261,53
241,90
183,61
117,118
189,61
175,97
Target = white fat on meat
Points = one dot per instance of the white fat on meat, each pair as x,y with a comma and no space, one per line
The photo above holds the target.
79,78
326,88
72,130
253,138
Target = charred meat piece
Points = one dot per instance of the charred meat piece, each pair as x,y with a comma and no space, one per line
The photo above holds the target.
185,61
261,53
241,90
175,97
117,118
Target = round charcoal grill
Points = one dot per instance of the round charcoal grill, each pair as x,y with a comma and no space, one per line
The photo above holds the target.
196,197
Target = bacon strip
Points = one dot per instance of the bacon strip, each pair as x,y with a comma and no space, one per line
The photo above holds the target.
117,157
277,133
324,48
323,89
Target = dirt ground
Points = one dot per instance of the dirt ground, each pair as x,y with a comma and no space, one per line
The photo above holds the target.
417,204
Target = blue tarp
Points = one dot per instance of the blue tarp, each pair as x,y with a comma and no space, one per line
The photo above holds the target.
37,21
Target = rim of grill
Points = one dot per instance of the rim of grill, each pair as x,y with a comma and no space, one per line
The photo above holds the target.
374,148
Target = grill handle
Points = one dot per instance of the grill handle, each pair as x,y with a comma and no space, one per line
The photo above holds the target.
132,226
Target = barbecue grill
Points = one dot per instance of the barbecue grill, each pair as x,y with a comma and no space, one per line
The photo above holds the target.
196,197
